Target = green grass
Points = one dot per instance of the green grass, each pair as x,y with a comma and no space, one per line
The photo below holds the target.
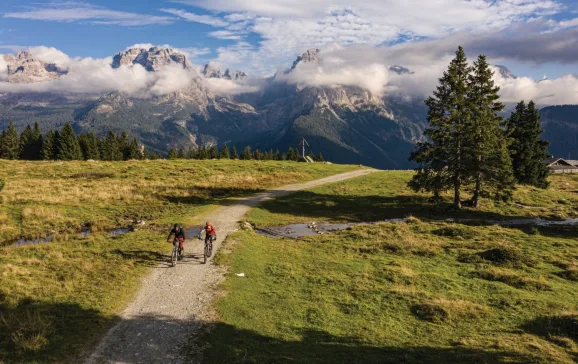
415,292
57,298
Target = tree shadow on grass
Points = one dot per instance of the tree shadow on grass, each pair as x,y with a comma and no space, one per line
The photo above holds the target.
232,345
66,332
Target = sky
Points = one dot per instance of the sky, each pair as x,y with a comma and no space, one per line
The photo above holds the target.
534,38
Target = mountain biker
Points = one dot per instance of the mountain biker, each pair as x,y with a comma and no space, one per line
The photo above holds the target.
209,231
179,236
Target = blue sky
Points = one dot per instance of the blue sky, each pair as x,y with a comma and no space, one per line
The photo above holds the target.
261,35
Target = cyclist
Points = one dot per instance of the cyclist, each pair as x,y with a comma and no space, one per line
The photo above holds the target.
209,230
179,236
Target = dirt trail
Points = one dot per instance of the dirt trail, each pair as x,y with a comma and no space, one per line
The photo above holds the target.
172,302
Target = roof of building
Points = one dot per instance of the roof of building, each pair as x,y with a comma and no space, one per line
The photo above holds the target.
562,161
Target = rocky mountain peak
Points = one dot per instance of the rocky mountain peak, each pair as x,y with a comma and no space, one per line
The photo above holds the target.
400,70
153,59
310,56
24,68
211,72
505,72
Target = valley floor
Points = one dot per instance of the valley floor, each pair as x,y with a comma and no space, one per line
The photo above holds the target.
421,291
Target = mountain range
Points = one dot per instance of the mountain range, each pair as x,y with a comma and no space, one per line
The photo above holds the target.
348,124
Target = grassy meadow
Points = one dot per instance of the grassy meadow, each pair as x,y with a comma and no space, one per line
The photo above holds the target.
421,291
56,298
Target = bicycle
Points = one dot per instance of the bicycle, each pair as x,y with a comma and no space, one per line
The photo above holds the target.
208,247
177,253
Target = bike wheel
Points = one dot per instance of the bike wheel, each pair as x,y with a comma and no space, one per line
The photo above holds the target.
206,253
174,256
211,247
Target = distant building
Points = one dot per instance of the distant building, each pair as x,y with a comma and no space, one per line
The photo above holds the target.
560,165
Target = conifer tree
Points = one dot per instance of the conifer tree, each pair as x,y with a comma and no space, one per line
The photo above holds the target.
48,146
181,154
484,155
123,145
68,147
203,153
277,155
319,158
213,152
234,154
172,154
26,144
442,158
225,153
134,150
110,148
292,154
191,154
9,143
89,146
36,144
257,155
246,154
311,155
145,153
526,148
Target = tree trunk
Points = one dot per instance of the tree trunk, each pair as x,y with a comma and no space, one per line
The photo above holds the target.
457,201
476,197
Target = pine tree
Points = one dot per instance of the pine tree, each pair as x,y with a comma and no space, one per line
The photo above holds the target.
110,149
484,155
246,154
311,155
277,155
48,146
9,143
36,144
319,158
292,154
68,147
26,144
257,155
225,153
123,145
191,154
145,153
181,154
134,150
442,158
234,154
172,154
526,148
203,153
213,152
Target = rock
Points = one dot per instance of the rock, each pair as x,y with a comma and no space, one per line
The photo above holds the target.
310,56
152,60
24,68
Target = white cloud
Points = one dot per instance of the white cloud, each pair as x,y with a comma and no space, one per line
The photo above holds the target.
229,87
81,11
225,34
192,17
50,55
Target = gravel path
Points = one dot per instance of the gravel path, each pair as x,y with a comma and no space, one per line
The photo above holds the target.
173,302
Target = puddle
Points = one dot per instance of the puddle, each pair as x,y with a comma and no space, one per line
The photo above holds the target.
300,230
121,231
192,233
23,242
542,222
